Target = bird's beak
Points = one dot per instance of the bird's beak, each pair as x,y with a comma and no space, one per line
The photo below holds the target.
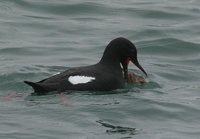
135,61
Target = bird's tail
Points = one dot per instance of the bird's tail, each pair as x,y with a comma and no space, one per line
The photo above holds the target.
36,86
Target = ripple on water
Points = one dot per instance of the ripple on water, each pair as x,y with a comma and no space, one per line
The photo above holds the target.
170,46
40,38
118,129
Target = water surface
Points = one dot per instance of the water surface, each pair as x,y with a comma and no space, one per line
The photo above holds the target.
41,38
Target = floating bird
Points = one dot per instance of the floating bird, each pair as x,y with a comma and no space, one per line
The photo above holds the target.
110,73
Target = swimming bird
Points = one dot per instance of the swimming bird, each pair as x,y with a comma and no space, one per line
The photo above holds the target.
110,73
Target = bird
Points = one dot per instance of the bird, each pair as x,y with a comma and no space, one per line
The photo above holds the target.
110,73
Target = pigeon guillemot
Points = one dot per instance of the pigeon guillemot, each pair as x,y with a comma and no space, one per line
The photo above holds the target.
110,73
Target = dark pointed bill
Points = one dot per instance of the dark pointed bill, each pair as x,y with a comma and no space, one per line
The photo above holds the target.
139,66
125,66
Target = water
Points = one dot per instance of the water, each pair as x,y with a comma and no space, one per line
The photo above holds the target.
40,38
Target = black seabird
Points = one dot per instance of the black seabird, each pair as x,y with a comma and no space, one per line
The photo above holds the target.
108,74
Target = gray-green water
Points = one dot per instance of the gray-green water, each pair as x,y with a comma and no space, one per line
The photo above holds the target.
40,38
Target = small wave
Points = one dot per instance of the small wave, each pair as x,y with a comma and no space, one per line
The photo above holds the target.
118,129
170,46
60,8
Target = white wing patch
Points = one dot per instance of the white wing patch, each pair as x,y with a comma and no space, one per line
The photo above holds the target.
80,79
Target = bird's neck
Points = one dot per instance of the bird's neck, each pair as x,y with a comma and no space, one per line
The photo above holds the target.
110,58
